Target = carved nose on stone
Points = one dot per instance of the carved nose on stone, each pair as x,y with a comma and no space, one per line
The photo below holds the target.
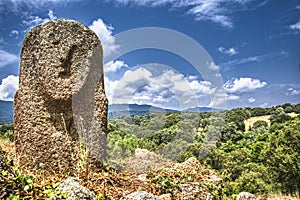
67,62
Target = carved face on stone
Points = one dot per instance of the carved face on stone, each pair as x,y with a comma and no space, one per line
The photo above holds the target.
62,51
60,105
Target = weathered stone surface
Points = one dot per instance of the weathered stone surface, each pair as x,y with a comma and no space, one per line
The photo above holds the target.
75,191
140,195
194,191
61,101
246,196
144,161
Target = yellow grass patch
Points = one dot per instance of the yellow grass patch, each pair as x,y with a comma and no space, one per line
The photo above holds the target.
249,122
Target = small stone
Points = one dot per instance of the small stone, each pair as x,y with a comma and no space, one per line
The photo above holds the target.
140,195
142,177
75,191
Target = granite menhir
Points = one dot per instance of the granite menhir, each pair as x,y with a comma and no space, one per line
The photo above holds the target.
60,107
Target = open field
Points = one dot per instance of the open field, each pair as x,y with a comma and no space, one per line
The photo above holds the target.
249,122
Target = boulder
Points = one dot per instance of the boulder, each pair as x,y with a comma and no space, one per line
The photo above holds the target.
144,161
60,106
75,191
140,195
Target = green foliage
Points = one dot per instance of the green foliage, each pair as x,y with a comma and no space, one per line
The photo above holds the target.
26,183
262,160
282,156
172,119
51,191
165,183
259,111
260,124
7,131
253,179
230,132
279,116
19,186
238,116
13,197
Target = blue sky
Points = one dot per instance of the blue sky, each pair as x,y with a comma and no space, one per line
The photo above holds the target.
254,44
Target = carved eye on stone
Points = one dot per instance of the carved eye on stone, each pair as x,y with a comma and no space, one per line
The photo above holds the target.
67,62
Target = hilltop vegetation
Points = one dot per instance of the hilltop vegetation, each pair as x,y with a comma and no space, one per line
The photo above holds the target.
265,159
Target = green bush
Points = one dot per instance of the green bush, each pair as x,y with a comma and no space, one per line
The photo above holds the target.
7,131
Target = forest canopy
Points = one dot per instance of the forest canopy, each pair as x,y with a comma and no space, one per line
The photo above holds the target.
264,159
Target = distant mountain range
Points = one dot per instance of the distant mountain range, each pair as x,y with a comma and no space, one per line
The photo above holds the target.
117,110
114,110
202,109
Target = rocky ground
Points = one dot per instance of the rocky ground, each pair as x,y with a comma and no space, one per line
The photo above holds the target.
143,176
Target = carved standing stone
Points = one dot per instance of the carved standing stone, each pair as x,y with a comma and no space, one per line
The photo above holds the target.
60,105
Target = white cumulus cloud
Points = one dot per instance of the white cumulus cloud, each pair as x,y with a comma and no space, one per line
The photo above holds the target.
7,58
295,27
51,15
292,92
221,98
243,85
104,33
231,51
251,100
14,33
8,87
32,21
165,89
114,66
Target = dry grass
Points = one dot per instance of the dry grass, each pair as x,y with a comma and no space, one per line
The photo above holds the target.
112,184
105,182
276,197
249,122
293,114
9,148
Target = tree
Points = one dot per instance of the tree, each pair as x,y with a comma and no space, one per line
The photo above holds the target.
172,119
260,123
253,182
238,116
282,156
279,116
233,163
229,132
